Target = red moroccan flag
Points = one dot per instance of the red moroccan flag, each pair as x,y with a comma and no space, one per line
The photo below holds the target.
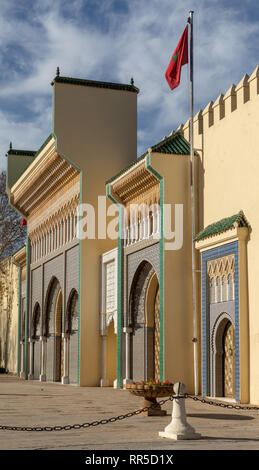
179,58
23,222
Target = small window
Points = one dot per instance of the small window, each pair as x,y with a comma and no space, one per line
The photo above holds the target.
224,289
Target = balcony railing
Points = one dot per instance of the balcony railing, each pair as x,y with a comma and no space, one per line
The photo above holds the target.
142,227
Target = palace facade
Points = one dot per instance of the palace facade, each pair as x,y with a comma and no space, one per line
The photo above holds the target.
102,311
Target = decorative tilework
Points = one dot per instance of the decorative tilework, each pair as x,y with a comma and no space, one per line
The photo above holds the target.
229,248
151,254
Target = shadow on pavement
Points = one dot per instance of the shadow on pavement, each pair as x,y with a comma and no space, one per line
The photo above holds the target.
236,439
220,416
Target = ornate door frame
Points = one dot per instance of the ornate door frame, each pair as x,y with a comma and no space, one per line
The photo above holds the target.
207,335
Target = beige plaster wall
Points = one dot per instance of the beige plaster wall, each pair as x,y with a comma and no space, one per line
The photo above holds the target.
9,289
96,129
229,153
16,165
178,312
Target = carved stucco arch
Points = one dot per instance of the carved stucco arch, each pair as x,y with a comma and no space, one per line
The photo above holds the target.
137,297
53,289
216,342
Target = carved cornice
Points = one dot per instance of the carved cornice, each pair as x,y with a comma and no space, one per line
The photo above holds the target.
19,258
134,183
60,208
43,225
46,174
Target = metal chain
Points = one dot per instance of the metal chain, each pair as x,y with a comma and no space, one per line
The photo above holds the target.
127,415
222,405
88,425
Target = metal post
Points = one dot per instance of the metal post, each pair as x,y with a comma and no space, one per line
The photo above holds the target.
127,332
190,20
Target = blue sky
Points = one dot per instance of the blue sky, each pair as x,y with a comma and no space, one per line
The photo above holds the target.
114,40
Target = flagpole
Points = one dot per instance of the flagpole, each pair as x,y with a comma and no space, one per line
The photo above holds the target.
195,358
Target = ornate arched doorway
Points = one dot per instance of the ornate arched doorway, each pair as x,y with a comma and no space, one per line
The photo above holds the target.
59,354
157,335
229,361
223,358
145,324
35,338
71,338
53,332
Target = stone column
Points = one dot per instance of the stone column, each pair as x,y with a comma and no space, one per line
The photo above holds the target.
104,381
22,344
65,378
148,223
70,228
127,379
158,221
31,370
43,341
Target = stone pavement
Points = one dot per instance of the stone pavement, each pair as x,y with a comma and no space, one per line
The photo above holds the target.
32,403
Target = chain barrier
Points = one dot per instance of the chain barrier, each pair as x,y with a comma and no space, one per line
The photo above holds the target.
88,425
127,415
222,405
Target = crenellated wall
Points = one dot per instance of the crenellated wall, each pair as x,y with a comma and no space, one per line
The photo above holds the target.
221,110
226,137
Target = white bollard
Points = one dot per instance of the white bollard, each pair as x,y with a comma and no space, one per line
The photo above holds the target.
179,428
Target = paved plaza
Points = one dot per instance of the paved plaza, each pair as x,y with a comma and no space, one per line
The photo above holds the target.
32,403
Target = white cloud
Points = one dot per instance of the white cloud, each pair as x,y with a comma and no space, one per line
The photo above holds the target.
135,43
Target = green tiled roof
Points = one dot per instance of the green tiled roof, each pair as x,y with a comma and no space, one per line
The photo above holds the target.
222,225
175,144
27,153
95,83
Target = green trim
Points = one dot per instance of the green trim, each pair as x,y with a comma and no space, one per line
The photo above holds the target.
110,180
64,156
55,137
27,304
161,281
79,294
43,145
53,112
95,83
222,225
119,298
175,144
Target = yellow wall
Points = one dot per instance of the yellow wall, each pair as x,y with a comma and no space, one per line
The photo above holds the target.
229,152
16,165
178,314
9,288
96,129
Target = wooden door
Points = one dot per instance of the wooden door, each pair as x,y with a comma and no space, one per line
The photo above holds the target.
229,360
157,337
